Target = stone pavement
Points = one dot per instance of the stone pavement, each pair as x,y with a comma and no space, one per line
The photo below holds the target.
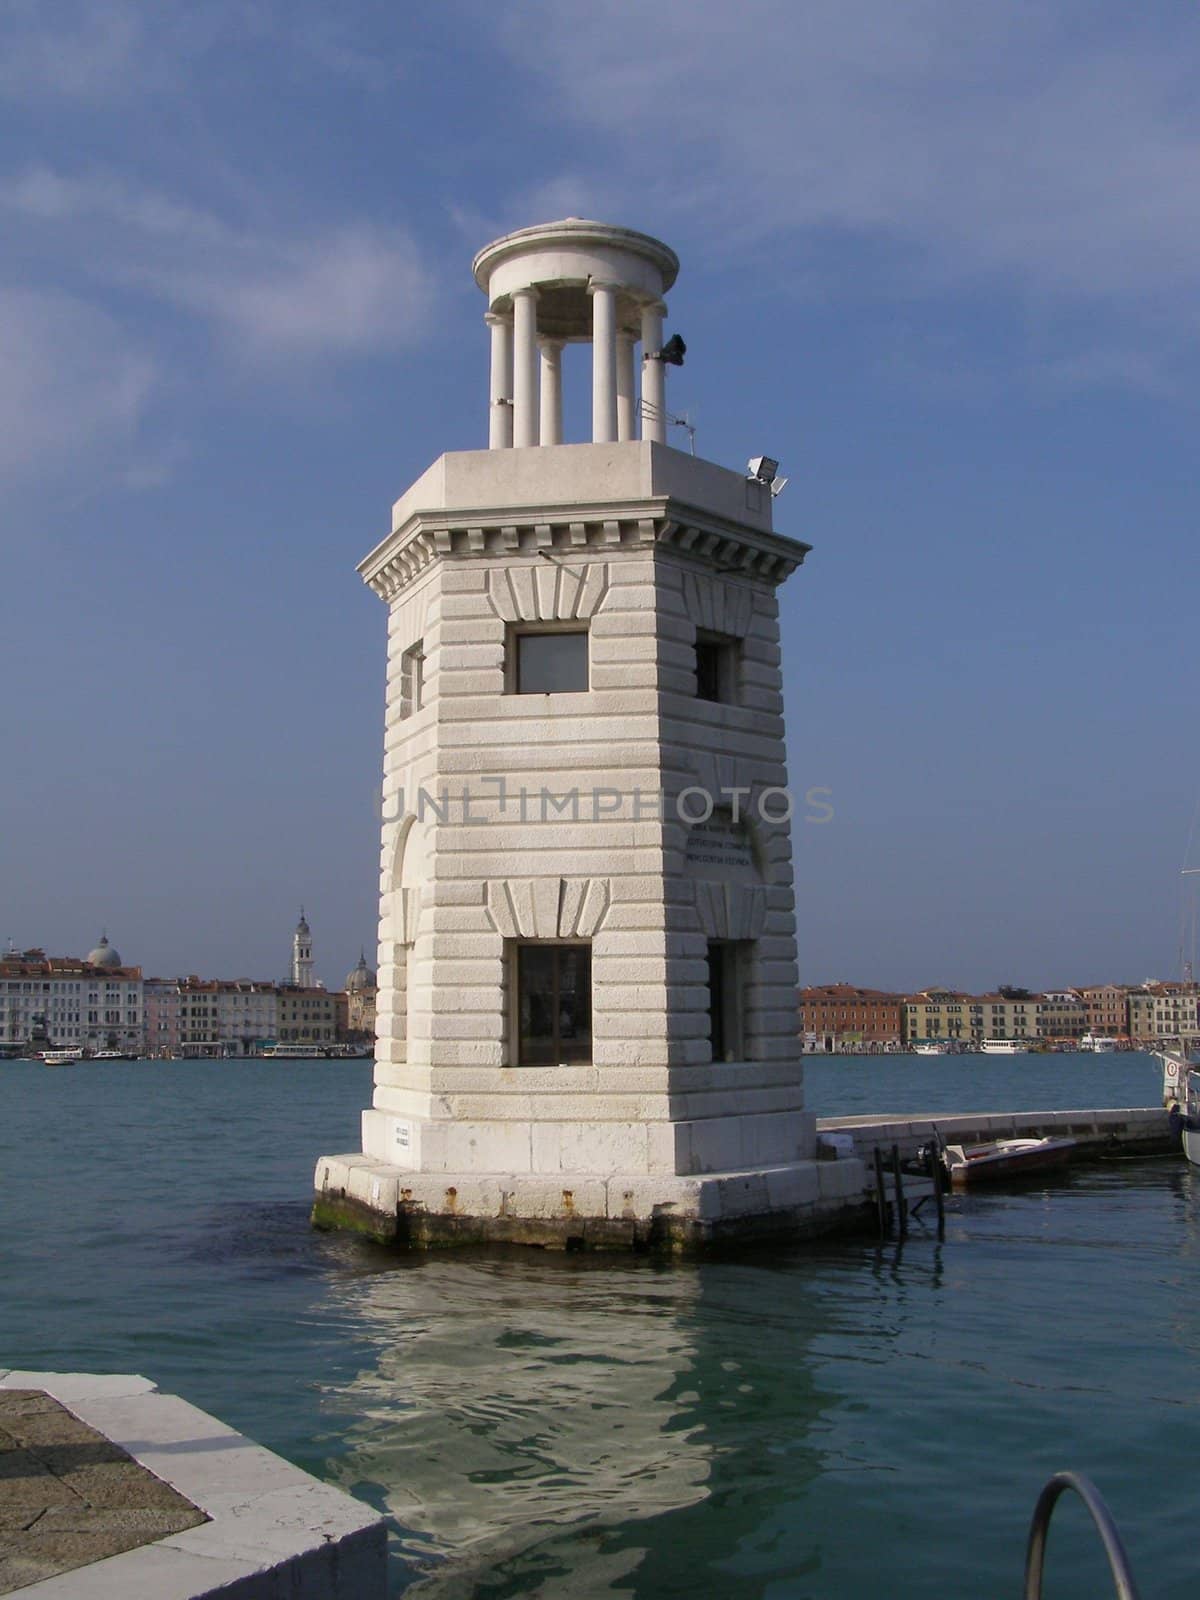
69,1496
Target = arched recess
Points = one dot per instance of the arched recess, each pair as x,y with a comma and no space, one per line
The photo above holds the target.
398,924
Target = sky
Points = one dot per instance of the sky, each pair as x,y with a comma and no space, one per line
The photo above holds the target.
940,259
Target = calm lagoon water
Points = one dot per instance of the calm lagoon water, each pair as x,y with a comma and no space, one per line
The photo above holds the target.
848,1421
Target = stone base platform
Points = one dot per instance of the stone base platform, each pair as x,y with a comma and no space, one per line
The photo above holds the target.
110,1490
666,1214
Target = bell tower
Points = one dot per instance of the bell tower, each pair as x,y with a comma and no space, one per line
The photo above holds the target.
587,1018
302,956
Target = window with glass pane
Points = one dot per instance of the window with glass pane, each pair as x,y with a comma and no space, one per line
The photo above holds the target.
551,663
716,667
412,679
725,983
554,1001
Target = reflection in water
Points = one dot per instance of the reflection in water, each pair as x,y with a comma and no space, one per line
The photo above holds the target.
538,1426
850,1420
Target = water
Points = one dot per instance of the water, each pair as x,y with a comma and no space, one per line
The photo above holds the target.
858,1085
845,1421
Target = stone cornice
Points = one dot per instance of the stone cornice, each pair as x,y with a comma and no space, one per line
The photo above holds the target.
714,542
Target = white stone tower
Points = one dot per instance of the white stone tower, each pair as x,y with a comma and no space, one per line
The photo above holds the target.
302,956
587,1014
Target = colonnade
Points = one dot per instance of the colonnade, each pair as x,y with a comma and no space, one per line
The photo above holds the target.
526,376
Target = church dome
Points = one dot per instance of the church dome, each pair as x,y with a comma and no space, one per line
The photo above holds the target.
361,978
302,927
105,954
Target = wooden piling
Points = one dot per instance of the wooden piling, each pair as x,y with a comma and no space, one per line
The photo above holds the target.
880,1195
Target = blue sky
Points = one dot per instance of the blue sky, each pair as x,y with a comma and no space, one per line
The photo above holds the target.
940,259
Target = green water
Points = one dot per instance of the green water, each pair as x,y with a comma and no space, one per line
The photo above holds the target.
847,1421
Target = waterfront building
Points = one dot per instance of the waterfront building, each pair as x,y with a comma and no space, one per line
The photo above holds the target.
361,992
92,1004
220,1017
939,1016
198,1017
1061,1015
1163,1011
1107,1007
247,1016
306,1016
587,1006
936,1016
163,1017
1176,1013
840,1017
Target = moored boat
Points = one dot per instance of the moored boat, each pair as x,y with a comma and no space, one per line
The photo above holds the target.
1176,1064
967,1165
1191,1122
1099,1042
1005,1047
931,1049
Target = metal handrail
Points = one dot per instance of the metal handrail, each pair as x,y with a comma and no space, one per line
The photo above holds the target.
1039,1527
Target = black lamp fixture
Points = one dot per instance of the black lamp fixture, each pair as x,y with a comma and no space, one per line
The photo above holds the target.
672,352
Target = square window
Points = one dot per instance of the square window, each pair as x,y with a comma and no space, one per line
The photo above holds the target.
717,659
551,662
554,1004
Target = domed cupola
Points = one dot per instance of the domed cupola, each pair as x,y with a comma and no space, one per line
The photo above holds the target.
105,954
361,978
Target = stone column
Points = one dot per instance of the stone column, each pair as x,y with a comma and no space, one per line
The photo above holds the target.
625,387
500,417
604,362
551,390
525,365
654,377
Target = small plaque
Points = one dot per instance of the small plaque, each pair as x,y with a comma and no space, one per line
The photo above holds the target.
720,849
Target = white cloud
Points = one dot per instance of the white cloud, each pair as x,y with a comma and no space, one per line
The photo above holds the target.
73,388
92,52
1048,146
332,290
354,289
75,49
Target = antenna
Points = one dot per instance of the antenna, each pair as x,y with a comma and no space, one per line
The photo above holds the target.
1187,930
647,408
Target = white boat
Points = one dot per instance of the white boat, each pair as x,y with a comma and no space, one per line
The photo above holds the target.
967,1165
296,1052
1099,1042
1190,1117
1176,1064
1005,1047
931,1049
61,1058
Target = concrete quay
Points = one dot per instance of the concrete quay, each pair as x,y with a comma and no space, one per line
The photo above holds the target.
1098,1134
109,1488
664,1214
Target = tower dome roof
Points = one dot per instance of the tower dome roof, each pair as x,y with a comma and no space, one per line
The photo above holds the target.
302,926
362,977
105,954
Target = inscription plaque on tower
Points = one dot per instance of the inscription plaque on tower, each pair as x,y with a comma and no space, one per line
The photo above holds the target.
720,849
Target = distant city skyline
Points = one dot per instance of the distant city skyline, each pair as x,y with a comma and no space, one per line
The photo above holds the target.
14,945
943,266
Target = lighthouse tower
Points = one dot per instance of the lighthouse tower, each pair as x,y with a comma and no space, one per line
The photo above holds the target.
587,1024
